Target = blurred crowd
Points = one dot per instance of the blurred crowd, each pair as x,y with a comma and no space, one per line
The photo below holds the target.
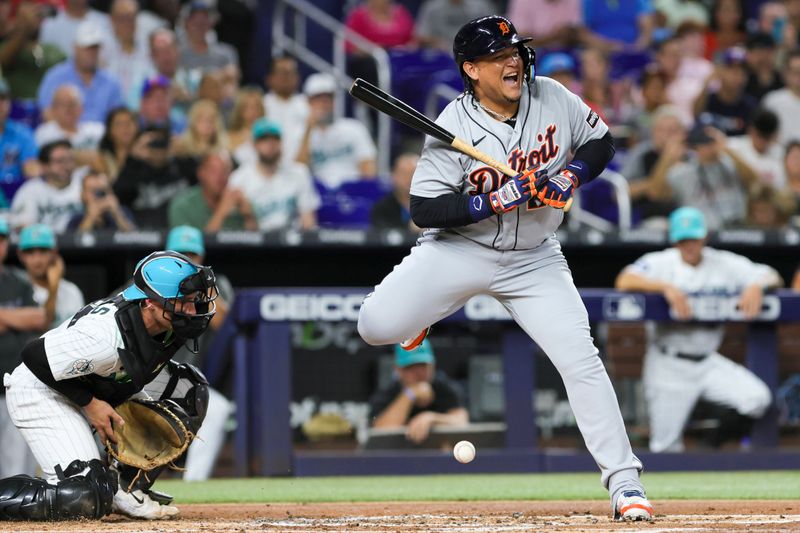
120,115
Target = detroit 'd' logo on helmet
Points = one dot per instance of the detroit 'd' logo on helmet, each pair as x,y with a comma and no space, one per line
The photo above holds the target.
504,29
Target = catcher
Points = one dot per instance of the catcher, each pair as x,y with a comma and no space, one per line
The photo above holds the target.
113,353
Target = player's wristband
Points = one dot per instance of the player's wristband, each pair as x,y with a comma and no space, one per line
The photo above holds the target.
580,170
480,207
409,394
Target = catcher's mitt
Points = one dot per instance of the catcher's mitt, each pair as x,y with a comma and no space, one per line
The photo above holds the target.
153,435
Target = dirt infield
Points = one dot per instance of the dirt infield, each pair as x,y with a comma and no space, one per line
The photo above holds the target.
448,517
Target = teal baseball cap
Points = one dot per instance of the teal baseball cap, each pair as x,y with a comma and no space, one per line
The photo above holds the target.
687,223
37,236
186,239
4,227
421,354
264,127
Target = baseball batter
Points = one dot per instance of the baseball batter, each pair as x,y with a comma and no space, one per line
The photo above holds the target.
72,377
682,364
496,235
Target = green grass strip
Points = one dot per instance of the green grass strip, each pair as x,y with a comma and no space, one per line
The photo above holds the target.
767,485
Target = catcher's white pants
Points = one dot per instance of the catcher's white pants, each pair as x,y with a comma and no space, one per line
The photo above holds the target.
673,386
537,289
56,429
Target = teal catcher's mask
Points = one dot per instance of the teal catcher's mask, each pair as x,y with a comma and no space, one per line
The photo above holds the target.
170,277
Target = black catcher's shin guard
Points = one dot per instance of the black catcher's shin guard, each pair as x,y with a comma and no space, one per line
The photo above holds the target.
75,496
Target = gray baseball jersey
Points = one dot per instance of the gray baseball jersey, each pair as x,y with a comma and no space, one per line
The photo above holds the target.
551,122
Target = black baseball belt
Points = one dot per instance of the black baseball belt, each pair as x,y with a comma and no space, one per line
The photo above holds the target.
684,355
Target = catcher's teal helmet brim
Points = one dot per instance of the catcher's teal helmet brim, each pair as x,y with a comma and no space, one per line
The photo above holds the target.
133,293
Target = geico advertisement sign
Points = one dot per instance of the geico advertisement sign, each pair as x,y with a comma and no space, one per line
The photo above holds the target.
324,307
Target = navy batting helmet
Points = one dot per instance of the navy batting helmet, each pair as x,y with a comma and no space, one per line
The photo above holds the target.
485,36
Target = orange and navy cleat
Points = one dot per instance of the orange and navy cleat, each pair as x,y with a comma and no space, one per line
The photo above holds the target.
632,505
411,343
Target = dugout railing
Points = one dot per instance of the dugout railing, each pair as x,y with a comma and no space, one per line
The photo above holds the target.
258,332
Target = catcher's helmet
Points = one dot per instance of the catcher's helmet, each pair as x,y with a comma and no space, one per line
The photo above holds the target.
168,276
485,36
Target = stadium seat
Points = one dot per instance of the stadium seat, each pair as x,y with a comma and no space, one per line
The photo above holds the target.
349,205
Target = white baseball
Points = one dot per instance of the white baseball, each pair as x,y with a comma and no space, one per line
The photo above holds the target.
464,451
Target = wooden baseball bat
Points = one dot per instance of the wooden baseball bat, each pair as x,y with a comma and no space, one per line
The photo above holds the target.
401,111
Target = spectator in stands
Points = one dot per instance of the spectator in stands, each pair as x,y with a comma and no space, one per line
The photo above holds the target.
769,208
551,24
786,102
790,27
682,90
212,205
211,87
336,150
101,209
121,130
284,105
200,460
126,56
762,76
648,163
17,150
150,178
694,64
60,298
230,77
727,28
155,109
652,95
772,17
438,21
55,197
204,134
615,25
247,108
384,23
595,84
64,112
724,97
760,148
792,169
164,58
62,29
561,67
420,398
716,181
281,192
682,364
197,52
393,210
101,92
20,320
24,59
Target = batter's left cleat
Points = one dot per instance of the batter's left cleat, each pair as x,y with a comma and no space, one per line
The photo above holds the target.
413,342
632,505
137,504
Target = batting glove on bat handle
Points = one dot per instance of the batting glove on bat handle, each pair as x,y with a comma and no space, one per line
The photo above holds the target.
513,193
556,191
